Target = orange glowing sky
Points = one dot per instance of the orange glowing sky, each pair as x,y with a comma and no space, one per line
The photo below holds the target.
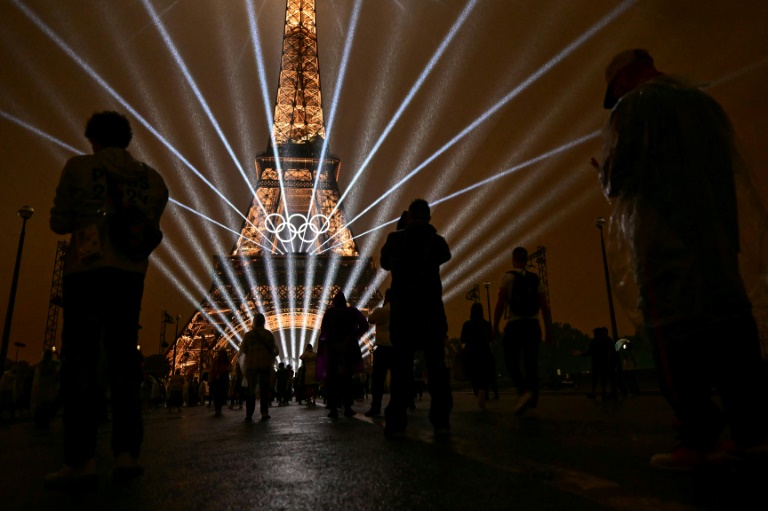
551,52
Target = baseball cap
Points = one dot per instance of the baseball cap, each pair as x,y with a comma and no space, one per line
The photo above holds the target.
619,62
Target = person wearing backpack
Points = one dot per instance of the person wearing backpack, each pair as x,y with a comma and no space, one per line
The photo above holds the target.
103,286
521,298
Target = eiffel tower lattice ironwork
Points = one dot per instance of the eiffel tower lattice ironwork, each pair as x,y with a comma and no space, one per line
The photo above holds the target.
294,252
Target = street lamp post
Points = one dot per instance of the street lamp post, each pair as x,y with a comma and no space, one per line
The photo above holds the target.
25,212
175,342
165,320
18,345
202,339
600,223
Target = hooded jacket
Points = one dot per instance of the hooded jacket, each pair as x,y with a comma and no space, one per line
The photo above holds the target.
414,256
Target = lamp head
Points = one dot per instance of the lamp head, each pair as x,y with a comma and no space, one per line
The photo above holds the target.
26,212
599,222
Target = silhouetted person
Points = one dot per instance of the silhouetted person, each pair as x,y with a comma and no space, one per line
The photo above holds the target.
260,350
176,391
219,376
476,341
629,366
382,355
339,353
102,291
8,384
281,384
193,391
289,384
309,360
669,167
45,389
417,320
521,298
603,355
236,390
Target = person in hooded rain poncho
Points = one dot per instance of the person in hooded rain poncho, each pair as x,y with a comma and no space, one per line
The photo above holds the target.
671,171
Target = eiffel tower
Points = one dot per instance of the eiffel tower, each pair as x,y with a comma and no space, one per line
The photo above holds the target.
294,253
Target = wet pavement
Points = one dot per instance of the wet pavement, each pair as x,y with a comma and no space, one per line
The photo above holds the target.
570,453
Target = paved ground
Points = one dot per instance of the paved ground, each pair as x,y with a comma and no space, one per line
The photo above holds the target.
571,453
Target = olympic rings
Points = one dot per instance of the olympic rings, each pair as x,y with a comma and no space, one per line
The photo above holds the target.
297,226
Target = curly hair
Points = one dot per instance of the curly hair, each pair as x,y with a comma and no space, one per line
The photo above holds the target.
109,129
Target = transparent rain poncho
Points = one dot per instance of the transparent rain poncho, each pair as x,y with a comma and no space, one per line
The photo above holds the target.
687,238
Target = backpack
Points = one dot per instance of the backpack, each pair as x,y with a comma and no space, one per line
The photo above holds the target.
131,232
523,294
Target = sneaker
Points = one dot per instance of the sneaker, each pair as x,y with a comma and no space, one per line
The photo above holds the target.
684,458
522,403
248,418
83,478
333,414
373,412
349,412
265,417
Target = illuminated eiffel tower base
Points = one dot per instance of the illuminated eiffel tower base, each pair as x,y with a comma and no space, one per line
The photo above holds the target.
294,253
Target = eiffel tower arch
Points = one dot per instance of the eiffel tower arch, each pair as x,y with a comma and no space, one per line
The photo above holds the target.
294,252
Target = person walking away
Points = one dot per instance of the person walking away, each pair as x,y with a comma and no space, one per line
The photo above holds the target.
521,297
236,386
309,359
671,171
629,365
382,355
110,204
281,378
193,391
288,384
475,339
176,385
219,376
339,353
602,352
260,350
8,384
417,319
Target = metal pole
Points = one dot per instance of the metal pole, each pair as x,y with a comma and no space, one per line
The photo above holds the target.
599,223
18,345
175,342
488,296
202,339
25,212
163,322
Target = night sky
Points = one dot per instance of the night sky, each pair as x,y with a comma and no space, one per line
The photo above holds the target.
453,92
